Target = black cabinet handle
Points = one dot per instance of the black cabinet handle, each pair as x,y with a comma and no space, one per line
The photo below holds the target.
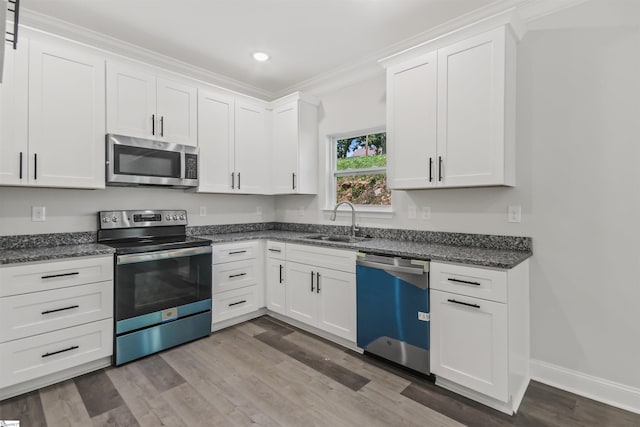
312,274
236,303
439,168
317,283
430,169
237,275
466,282
51,276
73,347
275,250
236,252
161,125
233,180
281,268
21,165
464,303
60,309
35,166
293,184
238,180
153,124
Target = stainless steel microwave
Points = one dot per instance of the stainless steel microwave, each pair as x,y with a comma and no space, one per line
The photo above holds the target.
137,161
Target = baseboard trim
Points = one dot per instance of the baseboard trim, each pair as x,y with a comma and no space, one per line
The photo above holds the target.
615,394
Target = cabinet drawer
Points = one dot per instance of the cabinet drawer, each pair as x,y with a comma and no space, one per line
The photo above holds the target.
234,252
234,275
237,302
25,278
36,313
470,281
335,259
33,357
276,250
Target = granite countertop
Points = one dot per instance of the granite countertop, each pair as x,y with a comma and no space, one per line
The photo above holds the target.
495,258
16,256
458,253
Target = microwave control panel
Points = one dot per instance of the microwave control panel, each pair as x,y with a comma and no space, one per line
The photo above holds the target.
190,166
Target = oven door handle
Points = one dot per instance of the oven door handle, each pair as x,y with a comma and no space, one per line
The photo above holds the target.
159,255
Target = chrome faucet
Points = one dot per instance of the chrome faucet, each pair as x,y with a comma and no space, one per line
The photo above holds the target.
354,227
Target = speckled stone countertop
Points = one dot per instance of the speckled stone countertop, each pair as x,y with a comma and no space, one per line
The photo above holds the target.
502,252
16,256
485,257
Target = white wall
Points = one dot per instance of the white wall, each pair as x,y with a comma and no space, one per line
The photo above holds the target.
578,182
76,210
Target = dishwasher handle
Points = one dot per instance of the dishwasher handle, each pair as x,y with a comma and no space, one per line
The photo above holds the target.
393,268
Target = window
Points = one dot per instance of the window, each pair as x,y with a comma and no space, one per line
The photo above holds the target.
359,166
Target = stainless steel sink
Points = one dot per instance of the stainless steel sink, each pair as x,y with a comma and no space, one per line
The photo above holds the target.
335,238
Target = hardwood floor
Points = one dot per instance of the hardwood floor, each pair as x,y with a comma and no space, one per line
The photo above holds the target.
267,373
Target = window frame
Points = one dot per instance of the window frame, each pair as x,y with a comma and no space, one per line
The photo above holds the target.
333,174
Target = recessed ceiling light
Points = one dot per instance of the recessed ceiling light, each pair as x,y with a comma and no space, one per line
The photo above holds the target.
260,56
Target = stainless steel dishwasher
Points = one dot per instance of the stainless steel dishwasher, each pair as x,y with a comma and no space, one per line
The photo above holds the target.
393,309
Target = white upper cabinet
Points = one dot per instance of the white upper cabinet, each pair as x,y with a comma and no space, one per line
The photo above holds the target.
451,115
142,105
234,144
131,101
411,116
14,150
177,108
216,142
295,147
252,148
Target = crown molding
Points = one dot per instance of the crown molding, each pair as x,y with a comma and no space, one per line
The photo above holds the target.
520,12
43,23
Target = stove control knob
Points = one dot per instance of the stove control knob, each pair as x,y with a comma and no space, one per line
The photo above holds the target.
168,217
175,217
106,219
182,217
114,219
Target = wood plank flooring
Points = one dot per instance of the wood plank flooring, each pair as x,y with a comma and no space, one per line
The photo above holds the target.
267,373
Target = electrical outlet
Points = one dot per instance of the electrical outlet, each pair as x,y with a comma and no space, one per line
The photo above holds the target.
38,213
258,210
514,214
426,213
203,211
301,211
412,212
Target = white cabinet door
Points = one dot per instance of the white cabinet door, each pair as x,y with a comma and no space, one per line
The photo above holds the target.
469,342
216,142
301,298
66,116
411,123
13,116
337,302
471,110
131,101
177,108
276,285
251,149
286,175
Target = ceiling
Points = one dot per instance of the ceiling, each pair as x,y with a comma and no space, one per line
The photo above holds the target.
305,38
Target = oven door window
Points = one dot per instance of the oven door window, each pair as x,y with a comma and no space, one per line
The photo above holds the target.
146,162
155,285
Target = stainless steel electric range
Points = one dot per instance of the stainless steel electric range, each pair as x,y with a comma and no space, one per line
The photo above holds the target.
162,281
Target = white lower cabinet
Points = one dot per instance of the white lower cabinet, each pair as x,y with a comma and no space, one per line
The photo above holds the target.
276,285
469,342
480,332
322,297
57,321
238,285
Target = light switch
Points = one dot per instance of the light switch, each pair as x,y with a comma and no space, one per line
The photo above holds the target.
514,214
426,213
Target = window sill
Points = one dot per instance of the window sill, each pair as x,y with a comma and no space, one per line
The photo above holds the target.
361,212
